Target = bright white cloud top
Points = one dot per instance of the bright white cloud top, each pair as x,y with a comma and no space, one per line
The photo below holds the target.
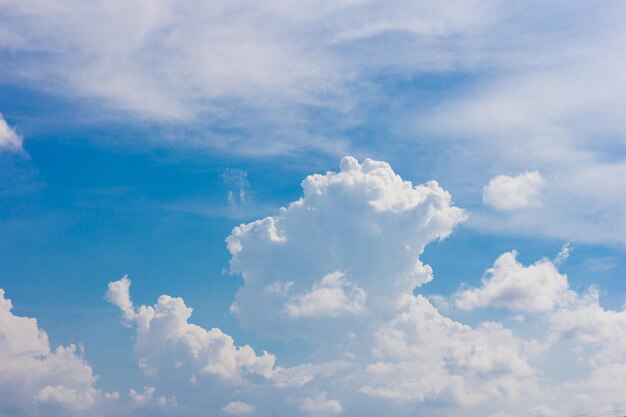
347,249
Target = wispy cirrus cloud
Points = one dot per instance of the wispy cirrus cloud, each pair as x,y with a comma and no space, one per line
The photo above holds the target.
9,139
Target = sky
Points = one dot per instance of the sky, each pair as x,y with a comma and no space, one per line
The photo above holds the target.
347,208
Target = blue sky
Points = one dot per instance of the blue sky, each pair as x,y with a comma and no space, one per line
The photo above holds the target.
137,138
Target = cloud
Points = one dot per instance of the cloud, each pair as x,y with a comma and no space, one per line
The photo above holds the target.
328,298
541,288
118,294
235,76
38,381
510,285
351,244
585,321
578,320
237,179
340,270
401,350
9,139
510,193
147,398
215,53
247,79
319,405
166,342
421,355
367,221
238,407
563,254
546,112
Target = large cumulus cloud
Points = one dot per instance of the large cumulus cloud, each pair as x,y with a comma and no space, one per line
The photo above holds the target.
364,223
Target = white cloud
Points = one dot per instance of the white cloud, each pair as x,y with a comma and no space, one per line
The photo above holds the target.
592,333
319,405
364,220
168,60
540,288
510,193
119,294
142,398
165,341
584,320
421,355
270,72
38,381
259,79
563,254
237,179
368,221
9,139
148,398
511,285
328,298
547,112
238,407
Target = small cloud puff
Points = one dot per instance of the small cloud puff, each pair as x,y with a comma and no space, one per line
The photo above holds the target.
319,405
510,193
9,139
238,407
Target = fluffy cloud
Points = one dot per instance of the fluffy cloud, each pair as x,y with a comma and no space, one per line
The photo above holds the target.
509,193
540,288
238,407
467,366
328,298
367,221
319,405
35,380
509,284
351,244
587,324
166,342
586,321
9,139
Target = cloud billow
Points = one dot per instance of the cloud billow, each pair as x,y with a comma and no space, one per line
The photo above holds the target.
351,243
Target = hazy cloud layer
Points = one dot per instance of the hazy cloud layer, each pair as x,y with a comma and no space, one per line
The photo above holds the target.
278,79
